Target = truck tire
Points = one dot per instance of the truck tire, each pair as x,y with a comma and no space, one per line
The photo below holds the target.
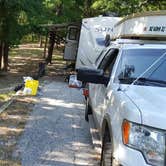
106,153
87,110
106,156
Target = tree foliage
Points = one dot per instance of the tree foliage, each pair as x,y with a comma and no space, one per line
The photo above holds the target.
9,27
21,17
126,7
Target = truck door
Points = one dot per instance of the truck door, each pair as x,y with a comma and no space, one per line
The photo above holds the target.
71,43
100,90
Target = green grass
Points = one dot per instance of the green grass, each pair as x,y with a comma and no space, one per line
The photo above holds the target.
10,163
6,96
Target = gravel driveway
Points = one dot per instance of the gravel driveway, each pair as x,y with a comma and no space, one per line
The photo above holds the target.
56,133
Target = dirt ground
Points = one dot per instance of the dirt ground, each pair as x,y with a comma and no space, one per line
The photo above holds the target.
23,61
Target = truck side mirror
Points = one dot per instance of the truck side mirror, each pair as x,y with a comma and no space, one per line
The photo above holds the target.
92,76
107,40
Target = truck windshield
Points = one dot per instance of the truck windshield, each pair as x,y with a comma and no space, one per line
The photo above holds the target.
134,62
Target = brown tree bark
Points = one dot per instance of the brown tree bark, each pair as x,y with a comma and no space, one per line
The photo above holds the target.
45,46
40,41
59,9
5,56
1,55
87,8
50,47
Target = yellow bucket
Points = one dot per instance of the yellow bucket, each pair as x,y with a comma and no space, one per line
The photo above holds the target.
33,85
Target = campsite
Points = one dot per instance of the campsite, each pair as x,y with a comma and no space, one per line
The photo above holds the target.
82,83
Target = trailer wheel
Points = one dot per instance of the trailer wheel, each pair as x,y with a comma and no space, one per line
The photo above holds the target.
87,109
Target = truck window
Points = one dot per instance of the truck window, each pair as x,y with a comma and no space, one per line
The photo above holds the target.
108,62
134,62
97,59
73,34
101,56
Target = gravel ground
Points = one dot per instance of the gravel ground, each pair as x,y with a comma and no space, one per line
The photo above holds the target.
56,133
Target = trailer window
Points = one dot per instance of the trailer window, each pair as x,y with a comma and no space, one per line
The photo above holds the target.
73,34
100,41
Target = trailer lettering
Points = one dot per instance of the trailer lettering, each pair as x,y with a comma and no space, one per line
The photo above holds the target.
103,29
163,29
157,29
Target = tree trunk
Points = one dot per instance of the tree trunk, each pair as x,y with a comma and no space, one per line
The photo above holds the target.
45,46
50,47
59,9
41,41
87,8
0,55
5,56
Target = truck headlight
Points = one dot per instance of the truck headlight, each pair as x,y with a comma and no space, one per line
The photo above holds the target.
149,141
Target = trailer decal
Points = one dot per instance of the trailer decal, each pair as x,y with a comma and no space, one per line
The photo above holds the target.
104,29
157,28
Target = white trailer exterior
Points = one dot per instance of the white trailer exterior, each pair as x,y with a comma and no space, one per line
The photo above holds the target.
149,25
92,38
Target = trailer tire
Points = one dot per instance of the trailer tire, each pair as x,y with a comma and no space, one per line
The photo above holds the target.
87,109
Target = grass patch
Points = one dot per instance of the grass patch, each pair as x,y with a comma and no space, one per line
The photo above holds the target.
6,96
10,163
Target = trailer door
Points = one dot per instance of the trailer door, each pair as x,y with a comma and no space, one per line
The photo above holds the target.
71,43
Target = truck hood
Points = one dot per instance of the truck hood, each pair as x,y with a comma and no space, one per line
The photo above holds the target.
151,101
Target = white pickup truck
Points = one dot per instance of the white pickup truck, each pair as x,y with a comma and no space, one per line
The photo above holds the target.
127,102
128,107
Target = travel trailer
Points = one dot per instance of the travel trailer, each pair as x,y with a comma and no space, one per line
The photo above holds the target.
83,45
126,106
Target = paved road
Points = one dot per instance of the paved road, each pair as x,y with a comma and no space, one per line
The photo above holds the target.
56,133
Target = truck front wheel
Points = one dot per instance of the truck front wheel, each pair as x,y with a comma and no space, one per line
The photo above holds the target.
106,153
106,156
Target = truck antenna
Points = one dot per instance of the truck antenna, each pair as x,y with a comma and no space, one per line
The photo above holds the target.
149,68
